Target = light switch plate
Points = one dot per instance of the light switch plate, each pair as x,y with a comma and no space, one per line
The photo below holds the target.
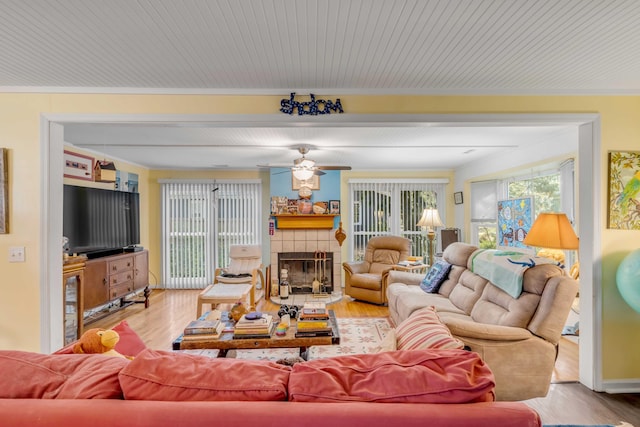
16,254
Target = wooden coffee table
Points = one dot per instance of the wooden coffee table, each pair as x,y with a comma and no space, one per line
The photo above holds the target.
227,342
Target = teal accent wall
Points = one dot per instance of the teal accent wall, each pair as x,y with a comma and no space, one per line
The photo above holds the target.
280,185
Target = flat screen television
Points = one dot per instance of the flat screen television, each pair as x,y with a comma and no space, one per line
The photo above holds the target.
98,222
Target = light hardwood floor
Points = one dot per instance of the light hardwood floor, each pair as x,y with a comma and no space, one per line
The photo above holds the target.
568,401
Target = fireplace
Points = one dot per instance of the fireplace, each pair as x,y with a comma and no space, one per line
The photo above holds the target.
308,272
307,241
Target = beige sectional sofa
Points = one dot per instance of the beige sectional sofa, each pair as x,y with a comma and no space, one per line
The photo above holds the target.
516,337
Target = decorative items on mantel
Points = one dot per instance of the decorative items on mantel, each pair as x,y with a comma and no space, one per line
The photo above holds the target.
282,205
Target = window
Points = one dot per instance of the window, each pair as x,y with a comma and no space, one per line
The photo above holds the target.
484,214
552,191
200,220
391,207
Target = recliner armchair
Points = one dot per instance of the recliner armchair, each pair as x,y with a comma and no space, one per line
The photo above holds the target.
367,280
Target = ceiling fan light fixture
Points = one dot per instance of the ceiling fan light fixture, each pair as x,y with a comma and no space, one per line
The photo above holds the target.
306,163
302,173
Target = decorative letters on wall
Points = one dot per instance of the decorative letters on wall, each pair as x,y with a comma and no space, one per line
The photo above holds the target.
312,108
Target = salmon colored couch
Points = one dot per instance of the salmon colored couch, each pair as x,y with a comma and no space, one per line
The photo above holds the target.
160,388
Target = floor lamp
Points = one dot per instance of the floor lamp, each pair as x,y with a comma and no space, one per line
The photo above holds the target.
553,233
430,219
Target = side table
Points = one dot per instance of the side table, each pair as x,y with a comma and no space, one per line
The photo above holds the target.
412,268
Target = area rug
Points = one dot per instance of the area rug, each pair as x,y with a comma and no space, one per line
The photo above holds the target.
357,336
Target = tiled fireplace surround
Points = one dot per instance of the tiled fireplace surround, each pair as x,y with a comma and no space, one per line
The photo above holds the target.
306,240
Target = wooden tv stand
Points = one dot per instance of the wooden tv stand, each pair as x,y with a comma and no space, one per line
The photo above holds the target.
114,277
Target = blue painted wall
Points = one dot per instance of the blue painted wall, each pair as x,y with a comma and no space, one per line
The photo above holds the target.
280,185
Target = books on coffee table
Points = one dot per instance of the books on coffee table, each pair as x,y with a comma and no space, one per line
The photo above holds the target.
200,326
261,327
314,311
204,333
314,321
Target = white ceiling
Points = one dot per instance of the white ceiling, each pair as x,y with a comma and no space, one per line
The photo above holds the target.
330,48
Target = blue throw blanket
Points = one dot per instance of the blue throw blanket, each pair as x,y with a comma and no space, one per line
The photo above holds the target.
505,269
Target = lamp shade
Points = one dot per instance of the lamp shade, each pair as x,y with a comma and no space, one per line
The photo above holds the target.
430,219
552,230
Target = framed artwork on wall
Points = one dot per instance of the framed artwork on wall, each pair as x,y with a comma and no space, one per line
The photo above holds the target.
515,217
624,190
78,166
457,198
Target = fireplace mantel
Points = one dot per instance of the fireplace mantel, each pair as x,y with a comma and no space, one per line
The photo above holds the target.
305,221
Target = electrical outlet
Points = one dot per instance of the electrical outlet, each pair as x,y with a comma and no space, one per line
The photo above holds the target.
16,254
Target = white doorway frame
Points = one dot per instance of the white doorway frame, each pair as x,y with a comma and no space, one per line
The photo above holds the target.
589,165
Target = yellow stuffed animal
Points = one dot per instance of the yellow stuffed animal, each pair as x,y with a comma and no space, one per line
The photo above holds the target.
98,341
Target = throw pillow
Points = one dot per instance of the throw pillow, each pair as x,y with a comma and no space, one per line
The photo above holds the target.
423,376
172,376
435,276
129,344
424,329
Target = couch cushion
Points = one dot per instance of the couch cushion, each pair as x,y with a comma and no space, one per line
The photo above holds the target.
420,376
467,291
497,307
169,376
404,300
435,276
60,376
458,253
423,330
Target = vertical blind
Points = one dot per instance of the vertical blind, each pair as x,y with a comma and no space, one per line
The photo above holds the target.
391,207
200,221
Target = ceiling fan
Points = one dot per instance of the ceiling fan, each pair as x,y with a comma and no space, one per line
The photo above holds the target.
304,168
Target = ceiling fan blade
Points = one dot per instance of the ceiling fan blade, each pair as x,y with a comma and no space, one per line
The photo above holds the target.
274,166
318,172
335,168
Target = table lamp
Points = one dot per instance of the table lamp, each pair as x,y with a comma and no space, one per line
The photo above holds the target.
553,233
430,219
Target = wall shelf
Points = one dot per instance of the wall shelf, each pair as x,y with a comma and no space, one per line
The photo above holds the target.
304,221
